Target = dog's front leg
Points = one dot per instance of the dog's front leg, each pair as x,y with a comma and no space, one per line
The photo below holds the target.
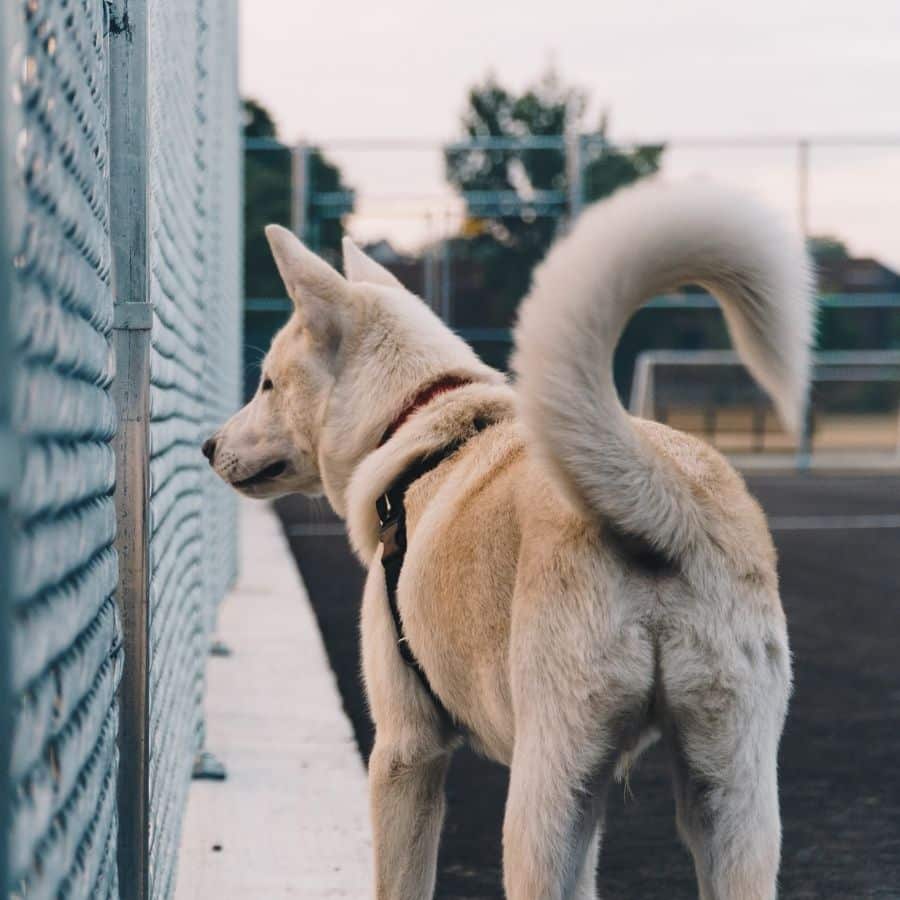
406,787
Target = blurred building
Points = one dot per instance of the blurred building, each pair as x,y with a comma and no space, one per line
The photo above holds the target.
856,275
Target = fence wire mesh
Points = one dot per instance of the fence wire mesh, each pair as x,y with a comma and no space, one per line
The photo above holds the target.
64,642
7,475
221,296
193,367
61,648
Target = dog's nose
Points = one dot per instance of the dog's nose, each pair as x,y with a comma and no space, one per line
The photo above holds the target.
209,449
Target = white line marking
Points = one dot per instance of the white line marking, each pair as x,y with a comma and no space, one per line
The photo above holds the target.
829,523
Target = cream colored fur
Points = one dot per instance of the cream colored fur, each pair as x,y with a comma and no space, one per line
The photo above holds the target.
642,242
577,583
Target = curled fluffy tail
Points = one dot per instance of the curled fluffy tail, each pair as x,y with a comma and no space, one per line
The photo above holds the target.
641,242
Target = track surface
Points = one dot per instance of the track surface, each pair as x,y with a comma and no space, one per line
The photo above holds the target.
840,776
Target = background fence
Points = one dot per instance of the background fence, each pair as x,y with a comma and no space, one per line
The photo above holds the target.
119,327
462,224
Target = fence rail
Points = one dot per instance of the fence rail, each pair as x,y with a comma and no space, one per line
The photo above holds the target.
408,197
577,149
861,432
120,330
665,301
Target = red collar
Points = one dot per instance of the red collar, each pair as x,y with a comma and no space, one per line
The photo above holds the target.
422,398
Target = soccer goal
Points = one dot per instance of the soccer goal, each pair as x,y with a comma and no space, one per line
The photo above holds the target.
853,420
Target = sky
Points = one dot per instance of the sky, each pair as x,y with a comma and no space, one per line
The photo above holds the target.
332,72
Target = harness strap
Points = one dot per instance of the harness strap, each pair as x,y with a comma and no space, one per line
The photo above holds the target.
392,516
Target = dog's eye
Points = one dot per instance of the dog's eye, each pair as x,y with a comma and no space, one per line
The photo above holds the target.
267,384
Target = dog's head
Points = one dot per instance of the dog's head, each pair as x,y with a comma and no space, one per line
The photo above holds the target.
349,358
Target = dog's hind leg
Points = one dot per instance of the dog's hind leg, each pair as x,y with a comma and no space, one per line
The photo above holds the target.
722,731
730,823
550,830
576,698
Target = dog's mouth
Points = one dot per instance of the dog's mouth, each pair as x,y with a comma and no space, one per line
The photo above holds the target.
273,470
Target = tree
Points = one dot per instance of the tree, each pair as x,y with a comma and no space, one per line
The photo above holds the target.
516,196
267,198
607,168
853,327
258,121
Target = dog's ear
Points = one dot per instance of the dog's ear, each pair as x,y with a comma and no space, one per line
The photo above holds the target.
360,267
318,291
304,274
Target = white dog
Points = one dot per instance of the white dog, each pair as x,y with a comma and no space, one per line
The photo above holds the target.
576,582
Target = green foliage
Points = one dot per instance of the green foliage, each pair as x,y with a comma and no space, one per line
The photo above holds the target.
607,169
827,249
257,120
267,199
503,241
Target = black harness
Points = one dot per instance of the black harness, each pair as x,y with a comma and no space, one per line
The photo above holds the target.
392,516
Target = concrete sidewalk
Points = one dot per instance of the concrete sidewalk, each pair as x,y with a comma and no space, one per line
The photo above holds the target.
292,819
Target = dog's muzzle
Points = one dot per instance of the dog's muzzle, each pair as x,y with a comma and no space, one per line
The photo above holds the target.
267,473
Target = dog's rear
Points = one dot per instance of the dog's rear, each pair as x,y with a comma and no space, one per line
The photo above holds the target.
721,660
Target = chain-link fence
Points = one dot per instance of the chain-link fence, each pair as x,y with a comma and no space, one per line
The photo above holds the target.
64,639
463,223
119,326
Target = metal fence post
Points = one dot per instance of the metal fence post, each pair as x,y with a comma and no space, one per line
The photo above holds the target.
803,457
446,271
803,187
300,190
641,401
804,441
428,278
575,174
129,210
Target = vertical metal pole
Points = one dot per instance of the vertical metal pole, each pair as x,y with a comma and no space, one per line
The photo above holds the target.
803,458
803,187
129,211
428,263
804,444
575,174
897,439
300,190
445,270
640,402
428,285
